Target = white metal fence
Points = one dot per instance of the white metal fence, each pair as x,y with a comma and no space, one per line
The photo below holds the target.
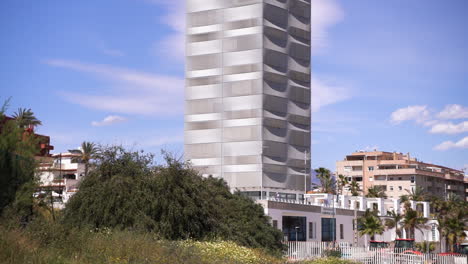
311,250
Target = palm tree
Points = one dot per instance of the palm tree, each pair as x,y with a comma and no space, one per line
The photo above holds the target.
405,200
417,194
394,222
413,220
5,106
376,192
452,215
354,187
25,118
342,182
455,227
370,224
88,151
326,181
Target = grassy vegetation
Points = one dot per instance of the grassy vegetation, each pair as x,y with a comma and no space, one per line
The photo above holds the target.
54,244
42,243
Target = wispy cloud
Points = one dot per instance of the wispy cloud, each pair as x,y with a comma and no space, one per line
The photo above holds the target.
173,45
423,116
418,113
109,120
453,111
324,14
461,144
326,93
449,128
133,92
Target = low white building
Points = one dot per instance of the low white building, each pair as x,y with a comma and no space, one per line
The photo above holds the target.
60,176
324,217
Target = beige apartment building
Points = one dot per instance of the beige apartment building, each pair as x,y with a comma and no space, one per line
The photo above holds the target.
399,173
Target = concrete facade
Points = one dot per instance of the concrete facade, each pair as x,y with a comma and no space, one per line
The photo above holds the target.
399,174
247,116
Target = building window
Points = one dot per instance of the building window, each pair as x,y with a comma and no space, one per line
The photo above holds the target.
400,188
371,168
400,178
348,168
391,188
433,232
253,195
328,229
341,231
381,187
391,178
315,230
311,230
412,179
275,224
294,228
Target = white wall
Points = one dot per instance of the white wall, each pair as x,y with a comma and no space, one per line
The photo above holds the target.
346,221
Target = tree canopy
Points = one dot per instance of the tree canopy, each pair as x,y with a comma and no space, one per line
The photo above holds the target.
17,165
126,190
327,182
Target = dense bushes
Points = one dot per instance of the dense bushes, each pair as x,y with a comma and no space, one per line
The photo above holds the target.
17,166
127,192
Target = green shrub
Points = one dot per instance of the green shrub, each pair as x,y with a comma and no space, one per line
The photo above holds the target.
334,253
127,192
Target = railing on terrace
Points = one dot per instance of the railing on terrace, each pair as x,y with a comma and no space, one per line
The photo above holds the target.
305,202
313,250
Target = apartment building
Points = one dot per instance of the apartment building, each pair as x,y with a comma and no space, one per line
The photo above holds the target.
399,173
466,188
60,176
247,117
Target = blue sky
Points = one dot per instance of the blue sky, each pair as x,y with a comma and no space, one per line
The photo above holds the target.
390,75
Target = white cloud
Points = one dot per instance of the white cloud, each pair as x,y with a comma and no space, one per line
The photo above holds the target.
461,144
324,93
454,111
418,113
109,120
324,14
449,128
133,92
